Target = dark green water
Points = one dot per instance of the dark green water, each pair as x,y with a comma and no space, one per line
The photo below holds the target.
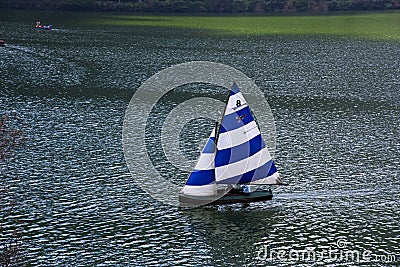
336,108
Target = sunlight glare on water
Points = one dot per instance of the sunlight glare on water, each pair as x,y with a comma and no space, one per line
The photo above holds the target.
336,108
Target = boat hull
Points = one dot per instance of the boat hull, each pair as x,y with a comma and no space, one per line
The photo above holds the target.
225,198
48,28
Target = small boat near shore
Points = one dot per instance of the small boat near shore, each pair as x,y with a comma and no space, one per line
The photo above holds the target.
2,43
235,165
39,26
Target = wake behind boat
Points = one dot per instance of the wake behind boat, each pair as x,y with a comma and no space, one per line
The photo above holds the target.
235,165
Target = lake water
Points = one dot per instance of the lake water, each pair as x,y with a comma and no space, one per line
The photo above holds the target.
336,107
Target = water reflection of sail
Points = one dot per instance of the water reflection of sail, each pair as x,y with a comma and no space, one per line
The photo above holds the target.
230,233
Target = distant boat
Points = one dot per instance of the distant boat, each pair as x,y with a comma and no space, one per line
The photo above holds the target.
39,26
235,165
2,43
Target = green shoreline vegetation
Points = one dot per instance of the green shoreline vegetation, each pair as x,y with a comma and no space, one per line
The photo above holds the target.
204,6
370,25
375,26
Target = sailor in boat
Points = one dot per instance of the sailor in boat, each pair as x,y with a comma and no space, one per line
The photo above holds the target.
246,189
241,189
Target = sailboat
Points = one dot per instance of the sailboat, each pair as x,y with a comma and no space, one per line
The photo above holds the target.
235,165
39,26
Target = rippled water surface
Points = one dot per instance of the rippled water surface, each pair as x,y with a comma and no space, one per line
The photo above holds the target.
336,109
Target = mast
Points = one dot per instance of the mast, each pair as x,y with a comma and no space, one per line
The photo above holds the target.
222,117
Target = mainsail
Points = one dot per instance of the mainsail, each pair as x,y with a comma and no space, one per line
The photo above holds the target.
240,155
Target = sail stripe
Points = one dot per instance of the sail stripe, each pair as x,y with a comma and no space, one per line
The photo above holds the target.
202,177
233,102
236,120
240,152
238,136
210,145
243,166
234,89
200,190
205,162
266,170
272,179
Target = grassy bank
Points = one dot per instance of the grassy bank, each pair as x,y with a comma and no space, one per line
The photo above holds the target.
366,25
379,26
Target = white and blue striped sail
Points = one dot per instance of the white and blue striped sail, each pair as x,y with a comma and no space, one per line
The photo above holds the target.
237,156
242,156
201,181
